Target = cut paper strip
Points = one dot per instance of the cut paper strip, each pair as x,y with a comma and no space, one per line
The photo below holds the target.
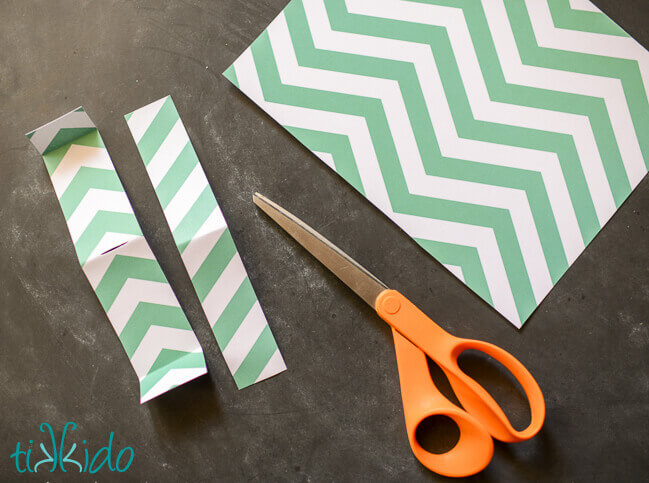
205,244
500,134
115,257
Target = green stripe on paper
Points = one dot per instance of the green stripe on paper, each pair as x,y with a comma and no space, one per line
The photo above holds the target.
161,126
214,264
234,313
256,360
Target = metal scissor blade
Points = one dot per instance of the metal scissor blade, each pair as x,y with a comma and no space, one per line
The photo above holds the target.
355,276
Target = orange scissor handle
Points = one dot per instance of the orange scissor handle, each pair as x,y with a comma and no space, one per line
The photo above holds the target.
421,399
445,348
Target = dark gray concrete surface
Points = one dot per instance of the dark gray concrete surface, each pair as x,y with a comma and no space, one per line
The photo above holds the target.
336,414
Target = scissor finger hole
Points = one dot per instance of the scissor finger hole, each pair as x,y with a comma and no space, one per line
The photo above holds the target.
437,434
500,383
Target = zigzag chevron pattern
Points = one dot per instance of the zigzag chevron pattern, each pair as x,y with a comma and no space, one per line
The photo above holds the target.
115,257
500,134
205,244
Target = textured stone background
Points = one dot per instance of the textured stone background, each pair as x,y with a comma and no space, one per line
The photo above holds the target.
336,414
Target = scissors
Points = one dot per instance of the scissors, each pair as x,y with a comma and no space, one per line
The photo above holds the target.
415,337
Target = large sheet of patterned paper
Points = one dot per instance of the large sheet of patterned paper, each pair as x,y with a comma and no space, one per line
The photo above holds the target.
501,135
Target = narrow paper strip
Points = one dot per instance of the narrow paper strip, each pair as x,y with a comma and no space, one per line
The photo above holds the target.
116,258
205,244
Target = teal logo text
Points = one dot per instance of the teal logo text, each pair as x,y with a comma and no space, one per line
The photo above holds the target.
55,455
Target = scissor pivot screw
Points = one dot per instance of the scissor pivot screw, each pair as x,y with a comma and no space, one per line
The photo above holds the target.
391,305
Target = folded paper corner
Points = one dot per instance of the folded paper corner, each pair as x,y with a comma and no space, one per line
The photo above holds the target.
61,131
166,378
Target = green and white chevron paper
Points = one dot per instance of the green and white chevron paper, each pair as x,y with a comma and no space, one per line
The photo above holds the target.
115,257
205,243
500,134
